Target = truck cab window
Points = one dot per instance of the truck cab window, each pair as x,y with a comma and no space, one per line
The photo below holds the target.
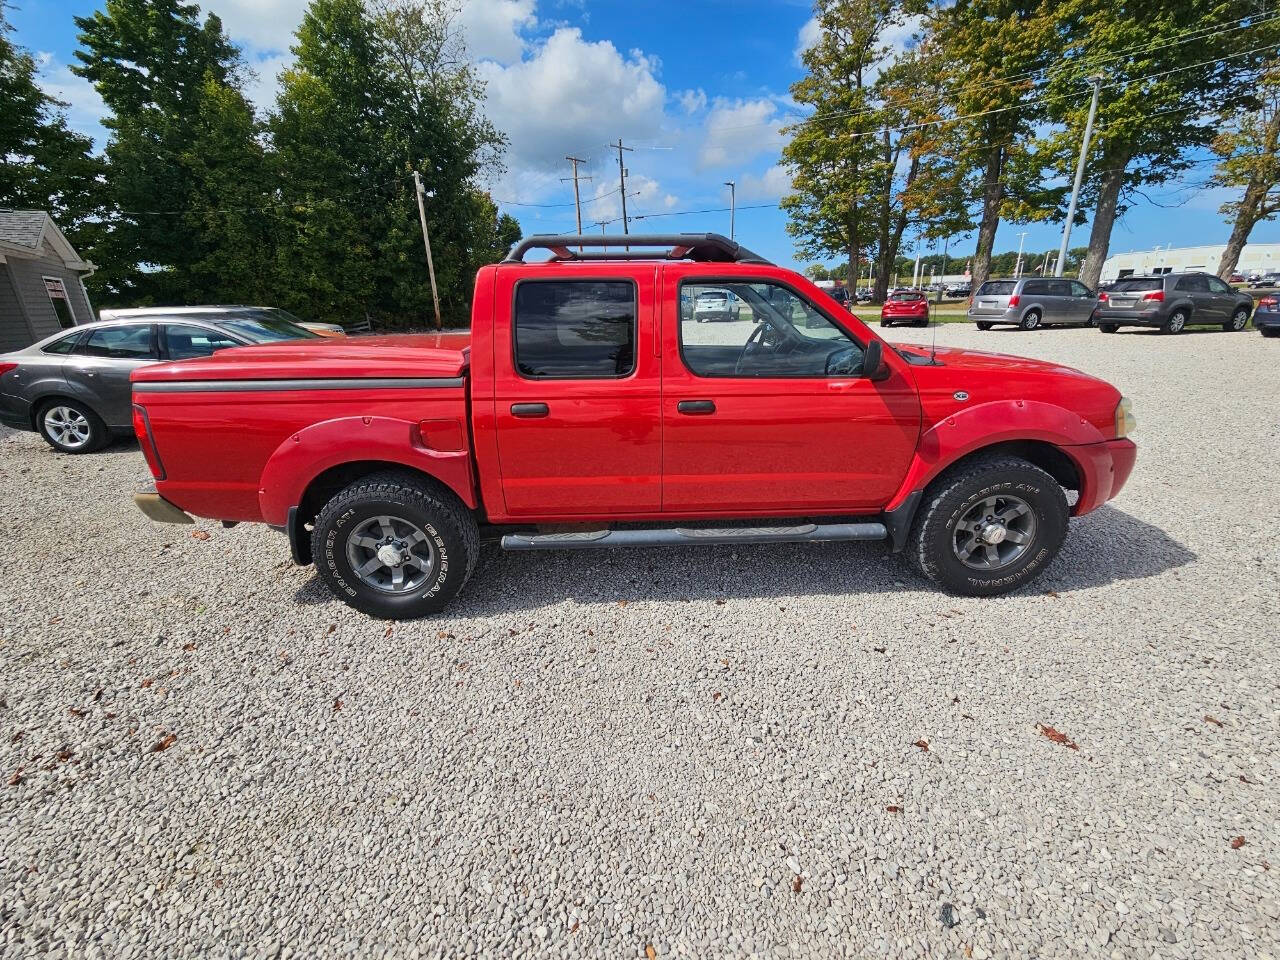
575,329
760,329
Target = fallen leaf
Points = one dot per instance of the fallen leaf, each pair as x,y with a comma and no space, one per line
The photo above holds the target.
622,603
1051,593
1214,720
893,808
649,952
1237,843
199,535
165,742
574,928
64,755
337,704
717,695
591,649
188,647
1057,737
147,682
720,601
797,883
76,711
16,778
923,745
1244,779
22,733
388,633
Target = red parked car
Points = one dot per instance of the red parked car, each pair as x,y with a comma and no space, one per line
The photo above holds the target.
905,306
582,410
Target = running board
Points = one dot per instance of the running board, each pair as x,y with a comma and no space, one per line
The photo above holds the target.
697,537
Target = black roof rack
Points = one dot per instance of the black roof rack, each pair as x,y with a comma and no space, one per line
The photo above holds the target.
705,247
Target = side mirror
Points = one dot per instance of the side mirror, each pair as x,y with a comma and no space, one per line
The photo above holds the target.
873,365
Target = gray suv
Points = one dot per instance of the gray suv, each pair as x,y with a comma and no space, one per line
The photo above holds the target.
73,388
1031,302
1172,302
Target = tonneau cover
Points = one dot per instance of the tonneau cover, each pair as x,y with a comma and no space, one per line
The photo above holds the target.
392,356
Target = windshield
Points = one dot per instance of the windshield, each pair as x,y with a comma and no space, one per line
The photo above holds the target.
266,325
1138,283
997,288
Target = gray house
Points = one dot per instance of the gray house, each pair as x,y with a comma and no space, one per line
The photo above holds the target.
41,280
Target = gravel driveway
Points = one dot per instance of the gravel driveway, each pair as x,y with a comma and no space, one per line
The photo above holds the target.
782,751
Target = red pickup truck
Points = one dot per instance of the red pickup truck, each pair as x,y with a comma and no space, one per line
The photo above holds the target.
585,408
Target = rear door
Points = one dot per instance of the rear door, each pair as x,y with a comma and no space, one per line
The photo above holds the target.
766,415
577,392
98,369
1195,288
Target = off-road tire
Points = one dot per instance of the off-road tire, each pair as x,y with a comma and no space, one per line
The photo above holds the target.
412,498
931,544
1172,325
1031,321
983,325
99,435
1239,320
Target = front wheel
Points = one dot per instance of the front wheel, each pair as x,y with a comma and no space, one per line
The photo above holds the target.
395,545
1238,321
988,526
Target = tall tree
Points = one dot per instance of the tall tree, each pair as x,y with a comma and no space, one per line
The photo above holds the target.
1164,63
44,165
995,50
1250,152
149,61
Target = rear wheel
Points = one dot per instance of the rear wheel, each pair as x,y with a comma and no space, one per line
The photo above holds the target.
983,325
1176,323
1239,320
1271,332
1108,327
395,545
71,427
1031,320
885,323
988,526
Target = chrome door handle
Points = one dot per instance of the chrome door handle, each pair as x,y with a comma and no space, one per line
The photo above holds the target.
696,407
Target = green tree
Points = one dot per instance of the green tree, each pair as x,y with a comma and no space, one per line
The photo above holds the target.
44,165
1164,63
995,50
149,61
1250,152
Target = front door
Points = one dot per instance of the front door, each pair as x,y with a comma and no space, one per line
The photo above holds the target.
1222,296
576,395
766,413
1083,301
99,367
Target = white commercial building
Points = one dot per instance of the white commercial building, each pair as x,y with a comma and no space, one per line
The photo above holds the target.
1255,258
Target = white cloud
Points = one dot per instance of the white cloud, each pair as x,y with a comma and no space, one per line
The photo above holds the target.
692,100
807,37
738,130
262,87
774,183
85,108
571,96
493,28
260,25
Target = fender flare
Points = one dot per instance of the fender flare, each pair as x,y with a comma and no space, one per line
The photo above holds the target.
986,425
306,454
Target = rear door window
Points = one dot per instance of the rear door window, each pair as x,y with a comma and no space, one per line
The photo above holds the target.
63,345
1038,288
120,343
1194,284
997,288
575,329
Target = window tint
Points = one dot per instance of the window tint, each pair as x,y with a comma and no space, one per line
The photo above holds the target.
1217,286
907,296
997,288
775,333
1037,288
120,343
184,342
1078,289
1192,284
575,329
264,325
63,345
1136,284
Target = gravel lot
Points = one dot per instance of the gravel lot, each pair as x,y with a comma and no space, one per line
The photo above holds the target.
783,751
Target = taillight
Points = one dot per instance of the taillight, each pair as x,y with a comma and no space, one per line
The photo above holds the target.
1102,296
6,367
142,428
1268,302
1014,300
1154,295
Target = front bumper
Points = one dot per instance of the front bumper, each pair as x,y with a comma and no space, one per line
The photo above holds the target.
1104,468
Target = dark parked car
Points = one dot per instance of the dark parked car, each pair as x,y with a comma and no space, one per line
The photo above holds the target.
1172,302
73,387
1030,302
1267,317
1269,279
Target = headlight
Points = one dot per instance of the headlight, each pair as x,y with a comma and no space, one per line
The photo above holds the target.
1125,422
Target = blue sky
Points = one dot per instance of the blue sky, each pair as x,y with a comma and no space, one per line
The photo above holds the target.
699,88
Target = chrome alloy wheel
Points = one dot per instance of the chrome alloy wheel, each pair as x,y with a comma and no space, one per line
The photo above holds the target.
390,554
68,426
994,532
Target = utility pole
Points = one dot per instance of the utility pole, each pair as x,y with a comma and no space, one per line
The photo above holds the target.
622,183
426,242
1017,270
1096,80
602,224
733,204
577,202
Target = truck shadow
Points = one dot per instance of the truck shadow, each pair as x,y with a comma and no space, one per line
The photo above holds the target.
1107,546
